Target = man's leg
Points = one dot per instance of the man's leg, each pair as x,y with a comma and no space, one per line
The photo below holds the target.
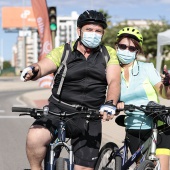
78,167
86,146
37,139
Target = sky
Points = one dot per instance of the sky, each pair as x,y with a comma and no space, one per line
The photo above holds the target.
119,10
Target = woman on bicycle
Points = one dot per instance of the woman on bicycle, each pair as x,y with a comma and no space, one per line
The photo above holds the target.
140,83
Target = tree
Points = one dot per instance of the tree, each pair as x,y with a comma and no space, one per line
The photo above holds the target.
107,16
110,35
149,34
150,37
6,65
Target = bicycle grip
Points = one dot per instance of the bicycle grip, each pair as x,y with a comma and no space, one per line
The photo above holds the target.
20,109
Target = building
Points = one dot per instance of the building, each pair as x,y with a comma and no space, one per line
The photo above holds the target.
27,48
140,23
66,29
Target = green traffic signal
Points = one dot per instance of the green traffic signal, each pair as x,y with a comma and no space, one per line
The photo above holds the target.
52,13
53,26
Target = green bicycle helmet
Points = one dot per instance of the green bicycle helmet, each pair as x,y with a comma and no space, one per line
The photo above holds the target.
131,32
91,16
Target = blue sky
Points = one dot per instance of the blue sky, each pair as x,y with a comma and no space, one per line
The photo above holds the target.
118,9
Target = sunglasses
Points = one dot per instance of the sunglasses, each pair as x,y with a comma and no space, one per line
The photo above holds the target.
124,47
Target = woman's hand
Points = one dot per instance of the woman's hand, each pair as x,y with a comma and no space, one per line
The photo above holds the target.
165,76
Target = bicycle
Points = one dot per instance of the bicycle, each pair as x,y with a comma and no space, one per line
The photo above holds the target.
111,157
52,160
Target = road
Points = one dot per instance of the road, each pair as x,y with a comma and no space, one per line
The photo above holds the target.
13,129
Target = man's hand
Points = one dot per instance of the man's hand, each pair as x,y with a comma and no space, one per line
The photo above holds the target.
107,110
165,76
29,73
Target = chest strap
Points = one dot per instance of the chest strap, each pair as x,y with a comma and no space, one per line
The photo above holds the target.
76,106
66,53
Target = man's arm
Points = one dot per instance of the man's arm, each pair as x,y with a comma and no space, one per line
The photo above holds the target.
113,92
113,73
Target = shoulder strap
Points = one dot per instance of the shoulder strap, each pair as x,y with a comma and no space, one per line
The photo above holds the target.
105,53
66,53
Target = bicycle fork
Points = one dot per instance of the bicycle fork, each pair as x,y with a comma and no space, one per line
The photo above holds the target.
51,164
58,143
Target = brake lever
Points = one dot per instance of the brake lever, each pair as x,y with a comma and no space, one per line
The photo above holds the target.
24,114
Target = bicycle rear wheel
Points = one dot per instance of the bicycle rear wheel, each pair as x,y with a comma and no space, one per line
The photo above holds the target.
146,165
104,155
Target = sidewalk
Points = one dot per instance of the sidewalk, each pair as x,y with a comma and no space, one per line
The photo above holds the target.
37,98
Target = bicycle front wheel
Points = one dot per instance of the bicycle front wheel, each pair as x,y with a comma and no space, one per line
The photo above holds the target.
104,162
60,164
146,165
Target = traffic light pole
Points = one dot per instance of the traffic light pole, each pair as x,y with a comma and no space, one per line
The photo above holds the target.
53,35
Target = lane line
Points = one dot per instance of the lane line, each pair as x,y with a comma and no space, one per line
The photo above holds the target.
15,117
20,101
2,111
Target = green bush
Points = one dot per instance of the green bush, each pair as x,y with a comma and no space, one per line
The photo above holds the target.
8,72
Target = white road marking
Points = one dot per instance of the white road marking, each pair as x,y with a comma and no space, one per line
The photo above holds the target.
15,117
20,101
2,111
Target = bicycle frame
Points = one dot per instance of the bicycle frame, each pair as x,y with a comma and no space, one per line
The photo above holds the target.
59,141
141,152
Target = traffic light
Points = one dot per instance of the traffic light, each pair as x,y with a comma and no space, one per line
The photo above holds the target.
52,13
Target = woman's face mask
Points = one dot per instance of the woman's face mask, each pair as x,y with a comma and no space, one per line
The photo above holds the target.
91,39
125,56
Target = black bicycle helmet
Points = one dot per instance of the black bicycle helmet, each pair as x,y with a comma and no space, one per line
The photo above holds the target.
91,16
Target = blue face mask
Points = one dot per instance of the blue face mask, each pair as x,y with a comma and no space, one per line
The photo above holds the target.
91,39
125,56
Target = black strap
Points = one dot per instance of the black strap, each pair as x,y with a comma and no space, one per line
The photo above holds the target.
66,53
64,63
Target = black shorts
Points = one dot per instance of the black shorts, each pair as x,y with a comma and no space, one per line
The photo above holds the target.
85,136
138,137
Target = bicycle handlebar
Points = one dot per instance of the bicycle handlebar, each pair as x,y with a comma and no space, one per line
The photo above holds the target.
149,108
34,112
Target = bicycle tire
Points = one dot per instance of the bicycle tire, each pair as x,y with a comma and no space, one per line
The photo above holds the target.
104,154
146,165
60,164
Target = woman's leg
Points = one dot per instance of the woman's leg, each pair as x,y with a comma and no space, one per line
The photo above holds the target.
163,155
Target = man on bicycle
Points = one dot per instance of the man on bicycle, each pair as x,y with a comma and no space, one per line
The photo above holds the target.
84,87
